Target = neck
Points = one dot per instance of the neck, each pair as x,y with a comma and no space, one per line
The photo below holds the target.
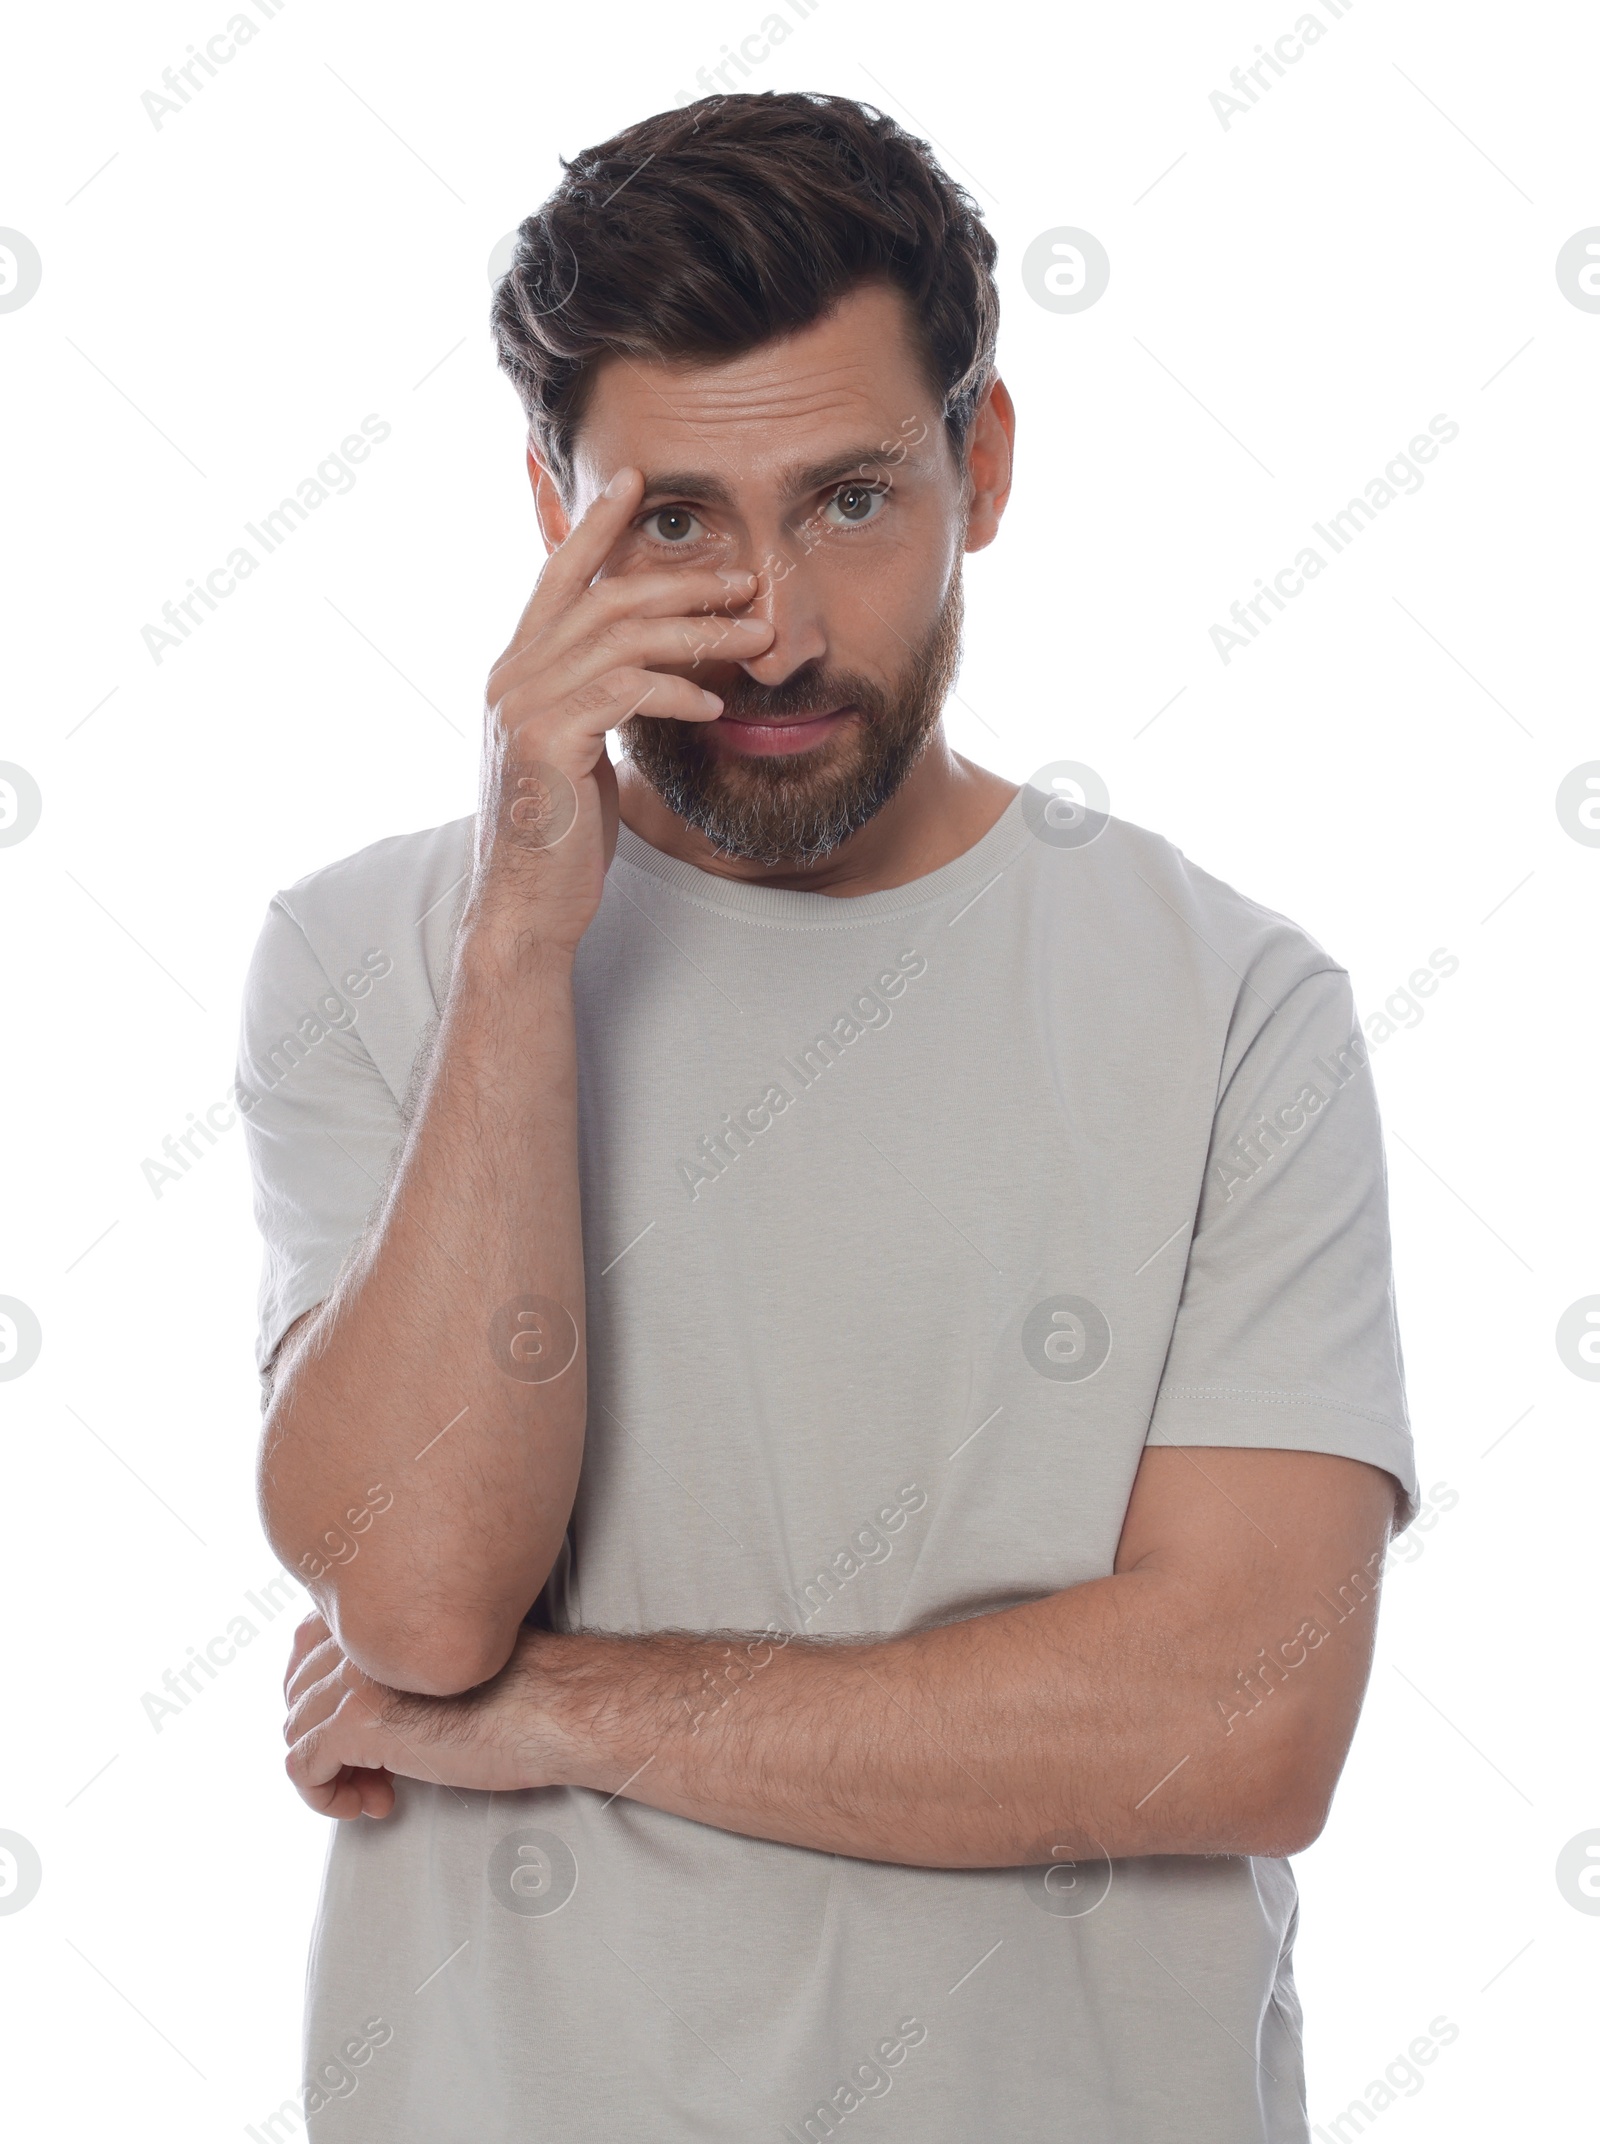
944,806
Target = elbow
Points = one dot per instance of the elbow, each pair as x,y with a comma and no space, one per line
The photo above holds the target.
442,1660
1280,1832
1289,1816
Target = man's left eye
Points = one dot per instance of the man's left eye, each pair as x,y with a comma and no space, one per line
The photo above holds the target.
856,503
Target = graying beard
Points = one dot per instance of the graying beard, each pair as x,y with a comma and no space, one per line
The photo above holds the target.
754,830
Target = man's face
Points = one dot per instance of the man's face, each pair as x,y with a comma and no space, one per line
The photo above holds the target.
821,463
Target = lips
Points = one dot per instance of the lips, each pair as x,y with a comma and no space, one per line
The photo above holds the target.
783,722
770,735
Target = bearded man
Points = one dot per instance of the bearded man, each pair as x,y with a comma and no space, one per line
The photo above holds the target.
826,1328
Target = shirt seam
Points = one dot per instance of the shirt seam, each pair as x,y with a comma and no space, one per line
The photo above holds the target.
281,899
843,922
1253,1396
1225,1087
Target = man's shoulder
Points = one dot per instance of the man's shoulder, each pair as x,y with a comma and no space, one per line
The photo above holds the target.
1149,898
400,885
376,926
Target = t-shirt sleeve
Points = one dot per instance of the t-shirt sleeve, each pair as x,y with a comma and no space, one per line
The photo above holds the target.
321,1123
1286,1334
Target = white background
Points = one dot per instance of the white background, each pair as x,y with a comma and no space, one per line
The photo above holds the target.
1292,298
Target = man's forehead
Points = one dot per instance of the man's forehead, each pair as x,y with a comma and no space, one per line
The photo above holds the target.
787,405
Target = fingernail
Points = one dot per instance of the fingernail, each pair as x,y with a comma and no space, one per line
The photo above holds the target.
619,483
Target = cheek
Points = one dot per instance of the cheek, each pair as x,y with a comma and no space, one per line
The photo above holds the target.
881,597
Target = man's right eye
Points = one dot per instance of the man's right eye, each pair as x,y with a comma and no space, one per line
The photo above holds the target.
672,524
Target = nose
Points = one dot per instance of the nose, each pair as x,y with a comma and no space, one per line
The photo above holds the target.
787,597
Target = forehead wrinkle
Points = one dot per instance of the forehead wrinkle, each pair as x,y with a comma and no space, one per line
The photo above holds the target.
760,384
792,477
661,396
777,400
804,404
705,409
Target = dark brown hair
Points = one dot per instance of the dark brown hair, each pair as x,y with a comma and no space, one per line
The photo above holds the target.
707,231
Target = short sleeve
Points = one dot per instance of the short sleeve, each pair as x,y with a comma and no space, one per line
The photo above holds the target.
1286,1333
322,1125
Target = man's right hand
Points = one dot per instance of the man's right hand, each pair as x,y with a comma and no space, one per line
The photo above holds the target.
587,653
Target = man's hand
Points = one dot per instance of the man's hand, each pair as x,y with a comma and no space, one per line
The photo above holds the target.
350,1736
586,655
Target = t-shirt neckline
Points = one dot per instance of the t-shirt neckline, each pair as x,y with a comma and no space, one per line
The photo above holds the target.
985,860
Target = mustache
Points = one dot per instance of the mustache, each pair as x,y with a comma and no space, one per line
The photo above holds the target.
809,690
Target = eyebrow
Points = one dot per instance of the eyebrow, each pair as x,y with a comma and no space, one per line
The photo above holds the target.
698,484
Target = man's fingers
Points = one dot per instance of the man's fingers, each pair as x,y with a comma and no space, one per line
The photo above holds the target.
686,640
313,1667
355,1790
331,1797
317,1696
573,564
631,667
645,642
571,568
310,1632
377,1788
326,1737
549,633
612,697
332,1721
677,591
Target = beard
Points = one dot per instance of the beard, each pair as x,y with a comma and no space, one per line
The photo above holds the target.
796,808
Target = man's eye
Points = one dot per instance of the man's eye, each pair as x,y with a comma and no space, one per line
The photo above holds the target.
855,504
672,524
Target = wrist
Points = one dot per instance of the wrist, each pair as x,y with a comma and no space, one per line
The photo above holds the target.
502,946
544,1729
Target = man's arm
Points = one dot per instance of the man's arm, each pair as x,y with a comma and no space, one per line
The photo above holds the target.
1199,1700
422,1445
418,1491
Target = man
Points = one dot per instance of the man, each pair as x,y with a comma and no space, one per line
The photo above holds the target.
827,1321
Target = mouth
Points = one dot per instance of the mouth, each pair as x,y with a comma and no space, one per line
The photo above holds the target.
765,735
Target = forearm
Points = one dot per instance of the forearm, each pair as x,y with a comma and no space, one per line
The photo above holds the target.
1089,1723
1200,1700
412,1470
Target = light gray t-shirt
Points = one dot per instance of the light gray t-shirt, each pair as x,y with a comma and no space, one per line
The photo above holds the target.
909,1221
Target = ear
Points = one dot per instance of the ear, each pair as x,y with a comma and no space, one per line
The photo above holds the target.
553,522
989,455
